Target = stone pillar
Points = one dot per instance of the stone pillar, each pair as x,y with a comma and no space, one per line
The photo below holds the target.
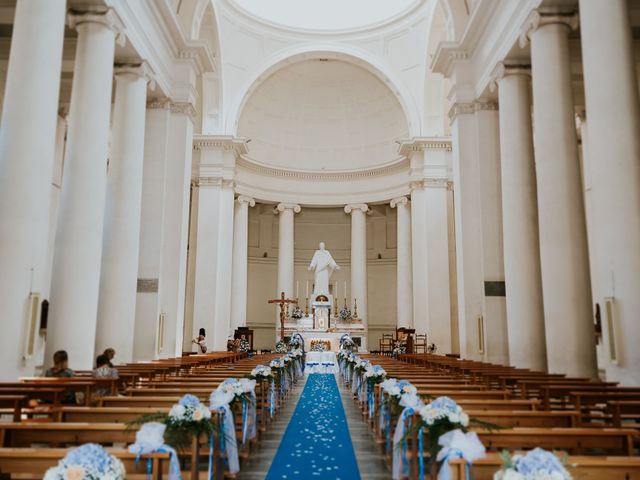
359,258
27,147
405,276
240,253
563,237
525,313
119,271
286,250
156,144
613,112
78,248
168,333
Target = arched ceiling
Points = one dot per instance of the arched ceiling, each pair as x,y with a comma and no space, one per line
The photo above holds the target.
327,15
323,115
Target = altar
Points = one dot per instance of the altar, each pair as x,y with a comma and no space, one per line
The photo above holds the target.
321,362
333,335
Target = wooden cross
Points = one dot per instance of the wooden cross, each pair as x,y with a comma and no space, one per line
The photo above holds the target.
283,304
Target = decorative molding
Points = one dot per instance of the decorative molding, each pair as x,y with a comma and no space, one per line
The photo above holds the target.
159,103
469,108
503,70
353,207
214,182
109,18
184,108
447,54
412,145
222,142
399,201
537,19
142,70
244,199
431,182
281,207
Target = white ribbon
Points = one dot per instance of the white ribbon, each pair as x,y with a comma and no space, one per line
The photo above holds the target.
456,444
220,401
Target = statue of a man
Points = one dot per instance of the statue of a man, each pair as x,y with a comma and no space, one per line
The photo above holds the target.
324,265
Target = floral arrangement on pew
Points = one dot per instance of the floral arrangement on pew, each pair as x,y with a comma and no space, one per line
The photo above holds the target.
538,464
277,369
150,439
297,357
447,435
264,373
357,386
87,462
373,375
392,392
346,342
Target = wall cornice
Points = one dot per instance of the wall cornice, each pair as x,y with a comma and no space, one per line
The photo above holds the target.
221,142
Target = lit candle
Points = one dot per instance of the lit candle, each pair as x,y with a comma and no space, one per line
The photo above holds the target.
345,289
297,286
307,288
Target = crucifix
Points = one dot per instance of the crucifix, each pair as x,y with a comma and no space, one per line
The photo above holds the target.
283,306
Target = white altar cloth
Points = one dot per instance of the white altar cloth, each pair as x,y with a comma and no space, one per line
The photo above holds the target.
321,362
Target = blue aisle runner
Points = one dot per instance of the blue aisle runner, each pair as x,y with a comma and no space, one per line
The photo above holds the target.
316,444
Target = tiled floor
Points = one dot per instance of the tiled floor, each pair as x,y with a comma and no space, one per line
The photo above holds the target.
370,461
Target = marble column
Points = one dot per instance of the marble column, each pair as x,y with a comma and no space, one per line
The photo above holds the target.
119,271
27,148
563,237
240,253
78,248
404,276
287,212
525,313
358,258
156,157
613,112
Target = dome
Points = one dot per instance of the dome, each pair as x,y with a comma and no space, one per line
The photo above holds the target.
326,15
323,115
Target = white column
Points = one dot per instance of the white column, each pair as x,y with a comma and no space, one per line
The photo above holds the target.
525,313
119,271
419,260
175,228
156,155
468,230
27,146
359,258
563,238
240,253
613,114
286,250
78,250
405,276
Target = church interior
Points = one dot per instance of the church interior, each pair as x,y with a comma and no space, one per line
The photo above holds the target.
293,239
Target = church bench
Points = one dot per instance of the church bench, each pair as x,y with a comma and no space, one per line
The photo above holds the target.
507,405
25,434
588,403
103,414
585,394
45,394
84,385
531,387
139,402
527,418
580,467
621,410
34,462
466,394
13,404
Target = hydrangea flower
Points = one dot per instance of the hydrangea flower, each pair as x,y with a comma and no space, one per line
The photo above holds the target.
189,401
87,462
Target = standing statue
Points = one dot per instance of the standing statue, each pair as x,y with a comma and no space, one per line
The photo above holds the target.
324,265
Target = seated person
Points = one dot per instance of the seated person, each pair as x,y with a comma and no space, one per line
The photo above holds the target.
103,370
110,353
61,369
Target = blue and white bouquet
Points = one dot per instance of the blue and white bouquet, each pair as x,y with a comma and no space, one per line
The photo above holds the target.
345,314
318,347
261,372
276,363
233,390
281,347
361,364
374,374
189,410
442,411
538,464
87,462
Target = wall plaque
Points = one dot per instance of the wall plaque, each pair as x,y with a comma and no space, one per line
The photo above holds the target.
494,289
147,285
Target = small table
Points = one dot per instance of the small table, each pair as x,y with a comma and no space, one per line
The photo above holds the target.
321,362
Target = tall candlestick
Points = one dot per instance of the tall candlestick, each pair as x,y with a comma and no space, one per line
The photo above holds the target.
297,288
307,288
345,288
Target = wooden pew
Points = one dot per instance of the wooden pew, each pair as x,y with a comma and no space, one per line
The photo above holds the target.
25,434
34,462
580,467
621,410
14,403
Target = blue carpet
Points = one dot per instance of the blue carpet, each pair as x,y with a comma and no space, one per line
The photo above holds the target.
316,444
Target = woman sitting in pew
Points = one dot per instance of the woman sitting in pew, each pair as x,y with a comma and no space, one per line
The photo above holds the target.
104,370
61,369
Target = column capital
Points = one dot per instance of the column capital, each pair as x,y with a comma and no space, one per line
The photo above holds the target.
537,19
353,207
141,69
159,103
109,18
468,108
243,199
399,201
185,108
503,70
281,207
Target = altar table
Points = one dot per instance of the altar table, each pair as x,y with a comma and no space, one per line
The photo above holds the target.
321,362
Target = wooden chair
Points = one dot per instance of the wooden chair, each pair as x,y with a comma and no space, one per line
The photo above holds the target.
420,343
386,344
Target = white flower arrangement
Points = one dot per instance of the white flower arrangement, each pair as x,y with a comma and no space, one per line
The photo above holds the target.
189,409
374,374
276,363
261,372
538,464
443,409
296,353
87,462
